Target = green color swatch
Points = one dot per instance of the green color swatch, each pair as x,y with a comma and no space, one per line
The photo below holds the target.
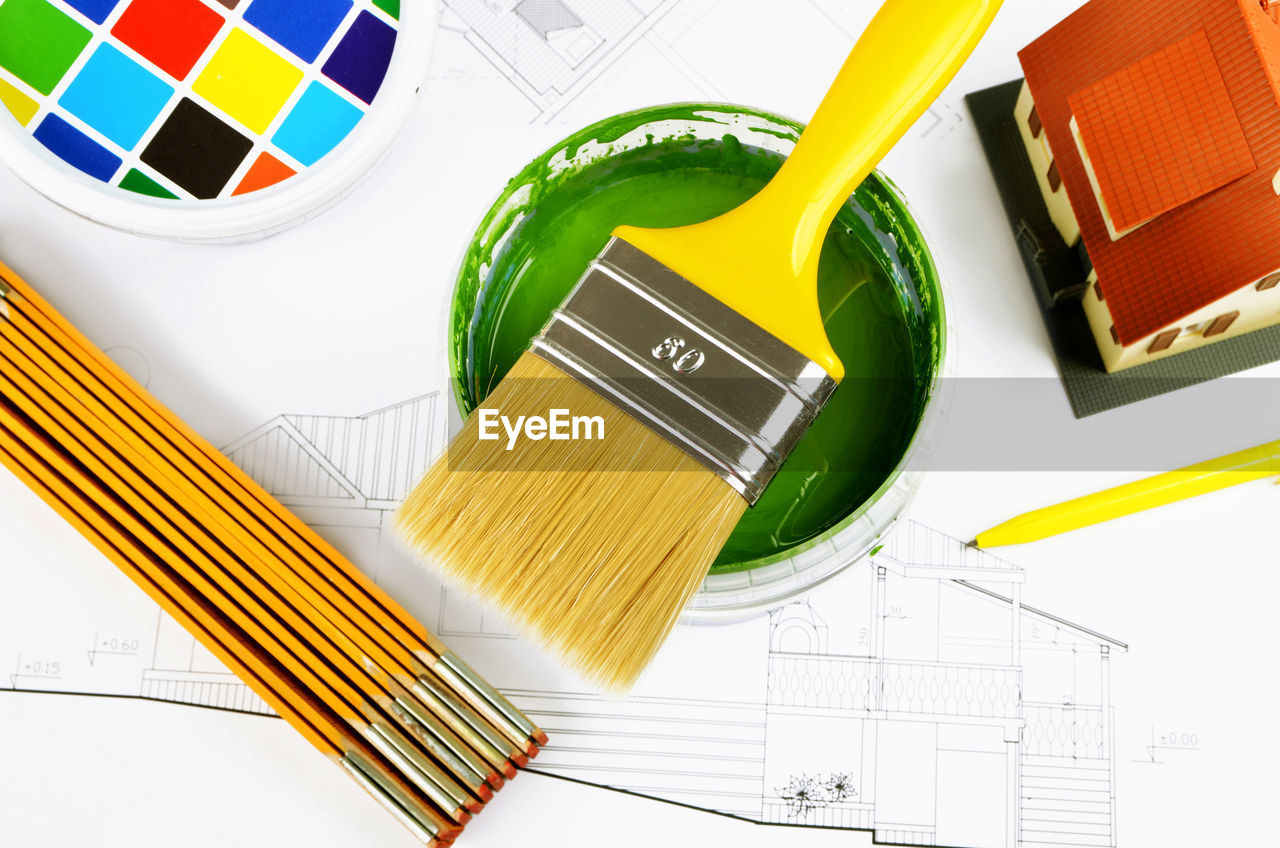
140,183
38,43
391,7
878,293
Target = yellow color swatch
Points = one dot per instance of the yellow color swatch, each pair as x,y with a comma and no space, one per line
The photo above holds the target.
22,106
248,80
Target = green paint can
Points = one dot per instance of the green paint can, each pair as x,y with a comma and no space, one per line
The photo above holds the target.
852,474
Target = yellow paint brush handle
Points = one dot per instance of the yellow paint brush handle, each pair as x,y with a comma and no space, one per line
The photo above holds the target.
761,259
1231,470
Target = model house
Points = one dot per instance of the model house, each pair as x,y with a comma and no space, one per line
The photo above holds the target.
1154,132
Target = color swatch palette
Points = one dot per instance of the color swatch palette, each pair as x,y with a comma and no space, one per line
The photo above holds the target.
193,99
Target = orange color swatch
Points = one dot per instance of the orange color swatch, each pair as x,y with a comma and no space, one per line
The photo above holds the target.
267,171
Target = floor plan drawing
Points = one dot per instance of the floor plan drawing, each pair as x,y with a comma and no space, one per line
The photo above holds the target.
575,61
552,49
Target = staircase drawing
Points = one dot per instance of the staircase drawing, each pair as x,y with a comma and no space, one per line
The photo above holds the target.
1067,788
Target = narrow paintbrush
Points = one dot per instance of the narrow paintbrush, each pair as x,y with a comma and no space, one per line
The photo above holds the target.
703,351
76,390
183,545
61,482
344,664
224,555
442,694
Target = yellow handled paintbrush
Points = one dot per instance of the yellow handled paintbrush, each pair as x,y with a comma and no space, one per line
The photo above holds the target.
703,350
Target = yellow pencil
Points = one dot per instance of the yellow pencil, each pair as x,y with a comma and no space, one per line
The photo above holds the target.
1233,469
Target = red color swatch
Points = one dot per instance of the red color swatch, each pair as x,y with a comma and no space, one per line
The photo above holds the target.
172,34
267,171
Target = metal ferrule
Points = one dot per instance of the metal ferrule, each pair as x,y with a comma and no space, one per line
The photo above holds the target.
498,709
390,796
435,737
416,768
479,735
710,381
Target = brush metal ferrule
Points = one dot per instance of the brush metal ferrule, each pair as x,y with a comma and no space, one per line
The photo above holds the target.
416,768
434,736
390,796
492,704
701,375
481,736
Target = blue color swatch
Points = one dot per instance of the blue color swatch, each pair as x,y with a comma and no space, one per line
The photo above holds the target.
95,10
359,62
317,124
116,96
76,149
303,27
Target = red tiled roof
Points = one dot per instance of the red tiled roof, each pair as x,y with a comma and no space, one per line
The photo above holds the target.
1215,244
1161,132
1267,38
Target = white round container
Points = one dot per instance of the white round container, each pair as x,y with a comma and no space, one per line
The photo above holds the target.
86,98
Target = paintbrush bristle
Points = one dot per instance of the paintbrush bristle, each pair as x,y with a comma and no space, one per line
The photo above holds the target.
590,546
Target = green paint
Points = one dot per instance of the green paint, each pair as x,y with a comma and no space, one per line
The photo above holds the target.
391,7
38,43
877,287
140,183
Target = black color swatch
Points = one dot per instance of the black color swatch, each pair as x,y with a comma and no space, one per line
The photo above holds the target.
196,150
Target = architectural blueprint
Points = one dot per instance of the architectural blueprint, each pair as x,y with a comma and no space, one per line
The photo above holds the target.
929,695
907,701
922,655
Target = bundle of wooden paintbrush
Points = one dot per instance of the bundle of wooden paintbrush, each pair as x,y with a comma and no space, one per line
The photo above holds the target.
325,647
